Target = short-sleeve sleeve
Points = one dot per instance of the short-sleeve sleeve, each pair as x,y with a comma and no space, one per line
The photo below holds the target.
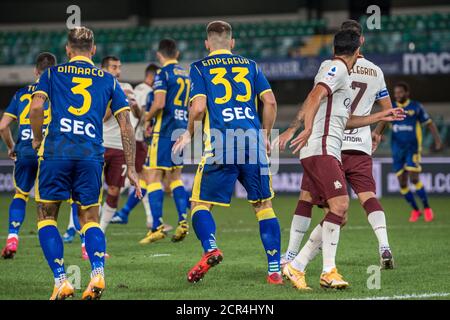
333,77
119,101
423,115
198,87
160,84
11,109
261,84
382,90
43,84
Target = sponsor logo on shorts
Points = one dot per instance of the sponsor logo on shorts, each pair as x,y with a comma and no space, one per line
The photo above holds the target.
337,185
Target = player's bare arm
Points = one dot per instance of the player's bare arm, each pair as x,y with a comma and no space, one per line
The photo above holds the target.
5,133
287,135
269,114
37,118
129,148
435,133
158,104
377,133
310,108
396,114
196,113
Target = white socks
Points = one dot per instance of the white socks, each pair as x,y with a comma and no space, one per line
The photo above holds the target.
330,239
60,280
147,209
71,224
377,220
107,214
299,226
309,250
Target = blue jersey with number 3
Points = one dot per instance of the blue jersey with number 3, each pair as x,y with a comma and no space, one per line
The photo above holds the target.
231,85
19,109
174,81
79,95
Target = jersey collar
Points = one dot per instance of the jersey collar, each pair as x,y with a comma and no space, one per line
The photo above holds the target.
173,61
402,105
220,51
343,61
81,58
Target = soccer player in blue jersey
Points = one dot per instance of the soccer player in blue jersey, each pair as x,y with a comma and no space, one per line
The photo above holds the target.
170,110
71,154
224,91
25,158
406,144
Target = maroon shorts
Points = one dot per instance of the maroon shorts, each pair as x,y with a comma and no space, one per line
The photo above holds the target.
141,155
358,171
323,177
115,167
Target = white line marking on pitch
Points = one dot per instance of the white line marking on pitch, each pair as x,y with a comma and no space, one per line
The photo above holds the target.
407,296
157,255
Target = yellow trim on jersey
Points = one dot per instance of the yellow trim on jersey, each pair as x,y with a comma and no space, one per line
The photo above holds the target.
176,184
164,168
221,204
36,182
97,204
41,92
21,196
427,122
121,110
197,95
207,132
88,226
154,187
419,136
402,105
81,58
153,153
265,214
198,208
262,200
399,172
265,91
45,223
15,184
220,51
173,61
404,190
142,184
418,185
10,115
413,169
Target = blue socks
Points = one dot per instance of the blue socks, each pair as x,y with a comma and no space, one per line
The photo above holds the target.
179,196
133,201
269,229
420,190
17,210
409,197
155,198
204,227
53,248
95,246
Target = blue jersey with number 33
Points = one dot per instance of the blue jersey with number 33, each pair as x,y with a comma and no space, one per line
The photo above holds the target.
231,85
79,95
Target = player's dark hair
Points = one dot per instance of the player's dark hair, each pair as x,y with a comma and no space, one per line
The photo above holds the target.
352,25
107,59
45,60
346,42
402,85
168,48
151,68
219,28
81,39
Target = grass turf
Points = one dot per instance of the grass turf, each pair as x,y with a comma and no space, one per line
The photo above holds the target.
158,271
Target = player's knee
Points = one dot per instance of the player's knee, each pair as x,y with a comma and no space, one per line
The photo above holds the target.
112,200
340,207
113,191
262,205
305,196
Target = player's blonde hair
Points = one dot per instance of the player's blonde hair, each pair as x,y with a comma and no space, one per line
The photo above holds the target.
81,39
219,31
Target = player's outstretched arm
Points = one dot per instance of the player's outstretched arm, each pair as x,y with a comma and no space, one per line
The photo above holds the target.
5,133
397,114
129,149
269,114
385,104
308,113
435,133
37,118
196,113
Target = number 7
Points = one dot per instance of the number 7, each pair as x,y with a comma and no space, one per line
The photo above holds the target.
362,88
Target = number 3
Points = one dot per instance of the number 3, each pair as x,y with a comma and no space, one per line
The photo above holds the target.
83,84
239,78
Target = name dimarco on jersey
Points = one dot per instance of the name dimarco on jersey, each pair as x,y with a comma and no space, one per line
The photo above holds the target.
87,71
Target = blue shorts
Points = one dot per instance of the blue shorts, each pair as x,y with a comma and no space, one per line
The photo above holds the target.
25,171
160,155
61,180
406,158
214,183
